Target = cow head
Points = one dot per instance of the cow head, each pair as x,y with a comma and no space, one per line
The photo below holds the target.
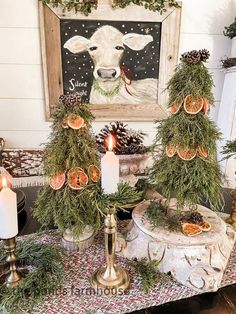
106,47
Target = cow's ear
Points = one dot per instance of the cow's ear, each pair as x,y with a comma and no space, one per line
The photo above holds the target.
77,44
136,41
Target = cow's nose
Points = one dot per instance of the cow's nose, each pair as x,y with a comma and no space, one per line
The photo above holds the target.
106,73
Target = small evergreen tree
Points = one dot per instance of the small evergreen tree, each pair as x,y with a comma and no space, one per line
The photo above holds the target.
188,168
71,165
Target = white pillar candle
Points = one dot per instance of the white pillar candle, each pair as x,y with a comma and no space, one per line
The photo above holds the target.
110,170
8,212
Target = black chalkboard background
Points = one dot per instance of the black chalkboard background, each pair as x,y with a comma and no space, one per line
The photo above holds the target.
78,68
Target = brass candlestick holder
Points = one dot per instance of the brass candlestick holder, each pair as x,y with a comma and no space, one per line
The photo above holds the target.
232,219
110,278
13,277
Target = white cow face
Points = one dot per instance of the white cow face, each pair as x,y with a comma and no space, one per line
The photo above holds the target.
106,47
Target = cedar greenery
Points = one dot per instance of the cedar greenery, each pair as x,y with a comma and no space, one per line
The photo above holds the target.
68,148
149,274
86,6
45,264
157,215
200,178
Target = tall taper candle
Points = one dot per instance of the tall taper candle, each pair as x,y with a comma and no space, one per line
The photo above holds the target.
110,169
8,212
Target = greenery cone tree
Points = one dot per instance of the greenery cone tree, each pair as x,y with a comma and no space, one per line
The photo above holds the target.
188,168
71,165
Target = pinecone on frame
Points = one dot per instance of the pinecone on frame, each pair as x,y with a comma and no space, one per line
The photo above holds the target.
70,99
204,55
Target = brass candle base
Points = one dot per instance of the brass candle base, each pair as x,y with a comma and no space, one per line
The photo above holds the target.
232,219
13,277
114,283
111,279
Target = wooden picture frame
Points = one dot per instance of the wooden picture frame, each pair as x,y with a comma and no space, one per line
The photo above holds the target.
50,19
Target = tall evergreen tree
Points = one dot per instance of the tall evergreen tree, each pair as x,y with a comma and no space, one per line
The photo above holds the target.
188,167
71,165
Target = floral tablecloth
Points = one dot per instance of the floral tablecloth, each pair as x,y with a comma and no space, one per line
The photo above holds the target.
76,296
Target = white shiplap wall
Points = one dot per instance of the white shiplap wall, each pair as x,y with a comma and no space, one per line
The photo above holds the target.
22,120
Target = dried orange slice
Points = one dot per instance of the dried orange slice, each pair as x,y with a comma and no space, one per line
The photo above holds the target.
202,152
75,121
193,105
191,229
83,178
94,173
73,183
77,178
57,181
186,153
170,151
206,226
175,107
205,105
73,172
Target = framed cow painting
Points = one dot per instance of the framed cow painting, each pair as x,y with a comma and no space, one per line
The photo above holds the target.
118,60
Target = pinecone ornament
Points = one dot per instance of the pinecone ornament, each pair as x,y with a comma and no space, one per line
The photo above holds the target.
204,55
196,218
70,99
191,57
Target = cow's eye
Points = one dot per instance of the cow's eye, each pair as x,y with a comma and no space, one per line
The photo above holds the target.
93,48
119,47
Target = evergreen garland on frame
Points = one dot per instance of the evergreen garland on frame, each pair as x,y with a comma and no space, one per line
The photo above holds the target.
188,167
86,6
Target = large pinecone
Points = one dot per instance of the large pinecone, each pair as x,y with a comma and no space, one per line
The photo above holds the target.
119,132
196,218
70,99
126,141
191,57
204,55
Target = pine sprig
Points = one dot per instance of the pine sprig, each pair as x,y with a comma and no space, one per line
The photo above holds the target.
149,274
45,276
191,181
190,131
230,149
192,80
157,215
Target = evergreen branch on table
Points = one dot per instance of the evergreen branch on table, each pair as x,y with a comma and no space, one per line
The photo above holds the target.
149,274
157,215
46,274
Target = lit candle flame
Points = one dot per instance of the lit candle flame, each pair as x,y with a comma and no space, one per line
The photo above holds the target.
110,143
4,182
